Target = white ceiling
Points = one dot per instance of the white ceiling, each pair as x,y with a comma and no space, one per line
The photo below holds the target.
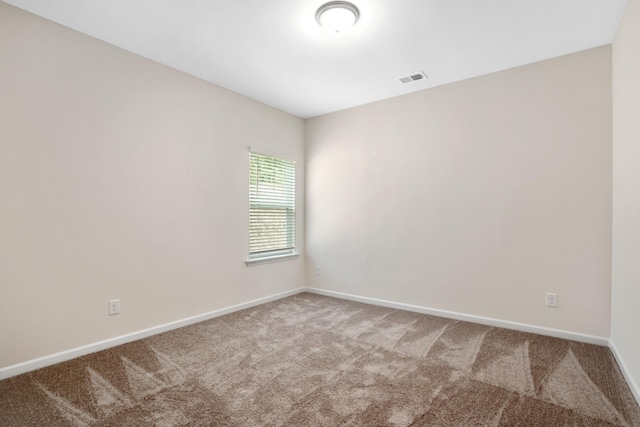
274,51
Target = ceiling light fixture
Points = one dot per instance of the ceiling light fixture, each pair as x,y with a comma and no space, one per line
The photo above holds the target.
337,17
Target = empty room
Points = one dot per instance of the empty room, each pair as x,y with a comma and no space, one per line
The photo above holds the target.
312,213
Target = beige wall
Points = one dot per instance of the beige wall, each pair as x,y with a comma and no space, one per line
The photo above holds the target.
121,178
476,197
626,192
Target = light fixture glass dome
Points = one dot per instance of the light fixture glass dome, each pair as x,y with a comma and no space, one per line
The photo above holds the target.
337,17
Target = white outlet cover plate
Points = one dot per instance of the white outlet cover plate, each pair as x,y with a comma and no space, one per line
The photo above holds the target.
114,307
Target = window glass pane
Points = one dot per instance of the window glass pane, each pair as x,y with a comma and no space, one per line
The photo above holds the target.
271,206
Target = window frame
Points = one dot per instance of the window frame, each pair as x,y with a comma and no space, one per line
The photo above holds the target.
276,254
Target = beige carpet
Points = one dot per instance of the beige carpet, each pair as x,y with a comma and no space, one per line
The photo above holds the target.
310,360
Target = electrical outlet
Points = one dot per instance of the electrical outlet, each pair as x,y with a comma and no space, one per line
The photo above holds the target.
114,307
317,270
552,300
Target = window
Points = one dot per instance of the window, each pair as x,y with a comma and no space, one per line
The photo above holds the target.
272,207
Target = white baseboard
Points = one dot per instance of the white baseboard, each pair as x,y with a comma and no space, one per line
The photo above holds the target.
574,336
63,356
633,385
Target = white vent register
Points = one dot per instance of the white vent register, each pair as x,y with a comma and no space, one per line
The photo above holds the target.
414,77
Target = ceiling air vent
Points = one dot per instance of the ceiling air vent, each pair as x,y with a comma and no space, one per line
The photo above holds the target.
414,77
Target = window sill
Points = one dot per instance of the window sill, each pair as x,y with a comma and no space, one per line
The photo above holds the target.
270,259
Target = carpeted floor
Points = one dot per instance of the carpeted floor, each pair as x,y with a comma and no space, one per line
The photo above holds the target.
310,360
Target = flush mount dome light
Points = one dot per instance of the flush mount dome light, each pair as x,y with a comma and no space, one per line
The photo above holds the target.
337,17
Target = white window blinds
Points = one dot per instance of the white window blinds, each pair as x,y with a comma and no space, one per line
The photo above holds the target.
272,207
